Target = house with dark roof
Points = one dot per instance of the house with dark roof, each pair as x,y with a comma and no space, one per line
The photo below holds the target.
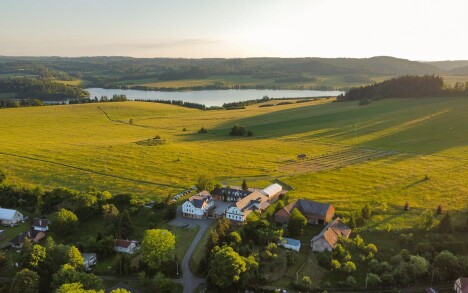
32,235
461,285
315,212
198,205
231,194
329,236
256,201
40,225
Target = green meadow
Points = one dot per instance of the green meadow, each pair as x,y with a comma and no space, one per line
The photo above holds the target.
77,146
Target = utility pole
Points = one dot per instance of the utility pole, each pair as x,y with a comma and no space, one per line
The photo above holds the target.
432,278
177,266
367,276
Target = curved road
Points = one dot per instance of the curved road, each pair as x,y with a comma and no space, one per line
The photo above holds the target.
189,280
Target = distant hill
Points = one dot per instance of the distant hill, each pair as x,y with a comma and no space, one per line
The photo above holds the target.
463,70
310,73
449,65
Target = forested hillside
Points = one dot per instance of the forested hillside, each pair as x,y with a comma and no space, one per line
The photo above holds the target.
124,71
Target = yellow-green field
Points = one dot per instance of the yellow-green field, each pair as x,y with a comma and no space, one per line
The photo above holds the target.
78,146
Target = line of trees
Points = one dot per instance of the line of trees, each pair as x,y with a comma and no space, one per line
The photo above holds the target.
241,104
409,86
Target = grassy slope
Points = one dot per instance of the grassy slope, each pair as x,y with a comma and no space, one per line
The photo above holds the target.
430,134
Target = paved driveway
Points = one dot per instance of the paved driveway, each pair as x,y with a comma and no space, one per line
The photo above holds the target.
189,281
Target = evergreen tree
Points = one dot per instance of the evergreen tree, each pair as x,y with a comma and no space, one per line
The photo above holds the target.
244,185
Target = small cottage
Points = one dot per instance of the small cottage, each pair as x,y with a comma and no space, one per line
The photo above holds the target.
328,238
40,225
32,235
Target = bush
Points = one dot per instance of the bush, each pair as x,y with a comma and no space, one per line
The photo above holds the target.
238,131
203,130
349,267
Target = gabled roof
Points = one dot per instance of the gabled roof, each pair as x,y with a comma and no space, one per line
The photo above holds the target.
40,223
254,201
308,207
30,234
199,199
333,231
272,190
7,214
313,207
123,243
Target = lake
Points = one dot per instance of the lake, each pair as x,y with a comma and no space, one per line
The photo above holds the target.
210,97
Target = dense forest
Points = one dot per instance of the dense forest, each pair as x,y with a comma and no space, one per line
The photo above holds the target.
409,86
42,89
120,71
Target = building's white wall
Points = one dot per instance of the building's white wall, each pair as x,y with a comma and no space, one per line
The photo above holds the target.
233,213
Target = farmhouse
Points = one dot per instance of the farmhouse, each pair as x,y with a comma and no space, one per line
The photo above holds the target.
272,190
32,235
315,212
40,225
198,205
90,260
231,194
10,217
256,201
290,243
328,237
461,285
125,246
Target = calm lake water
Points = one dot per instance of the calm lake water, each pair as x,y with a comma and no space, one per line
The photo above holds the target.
210,97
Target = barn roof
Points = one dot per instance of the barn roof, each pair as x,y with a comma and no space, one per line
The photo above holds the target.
272,190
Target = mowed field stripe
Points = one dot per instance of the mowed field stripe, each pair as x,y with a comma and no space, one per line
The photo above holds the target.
91,171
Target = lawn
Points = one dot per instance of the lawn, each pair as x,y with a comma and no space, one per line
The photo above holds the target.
78,142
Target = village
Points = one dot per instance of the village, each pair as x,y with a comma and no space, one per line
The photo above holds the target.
242,209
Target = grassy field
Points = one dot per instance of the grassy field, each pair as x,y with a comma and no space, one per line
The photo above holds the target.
78,146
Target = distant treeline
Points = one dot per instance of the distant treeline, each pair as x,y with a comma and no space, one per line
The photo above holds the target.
177,103
43,89
241,104
409,86
103,99
7,103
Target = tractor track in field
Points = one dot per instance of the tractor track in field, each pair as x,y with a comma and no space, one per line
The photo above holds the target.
123,122
91,171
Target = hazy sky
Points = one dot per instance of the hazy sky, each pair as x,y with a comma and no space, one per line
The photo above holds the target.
412,29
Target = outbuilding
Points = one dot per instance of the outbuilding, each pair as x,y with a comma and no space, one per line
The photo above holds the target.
10,217
290,243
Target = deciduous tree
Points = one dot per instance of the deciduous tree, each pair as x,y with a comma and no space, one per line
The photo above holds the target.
157,246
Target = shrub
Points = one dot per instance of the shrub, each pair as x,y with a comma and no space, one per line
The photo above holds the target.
203,130
237,130
349,267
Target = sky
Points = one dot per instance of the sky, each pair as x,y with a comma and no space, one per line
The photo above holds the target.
411,29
